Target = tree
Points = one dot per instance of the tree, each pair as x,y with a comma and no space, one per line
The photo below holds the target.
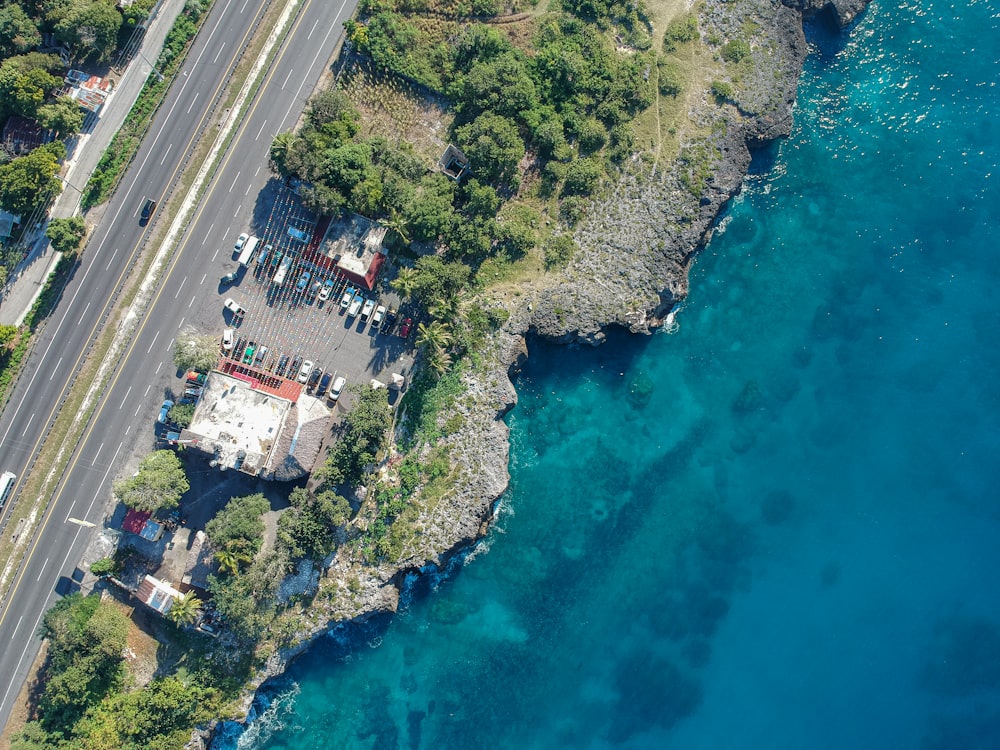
184,611
18,32
438,360
30,180
88,27
181,415
308,527
430,214
499,85
493,145
231,559
159,483
66,234
437,335
24,84
106,566
195,352
281,147
239,525
405,282
64,116
582,177
363,434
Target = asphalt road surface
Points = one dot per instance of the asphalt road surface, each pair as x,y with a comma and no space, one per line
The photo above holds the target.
122,427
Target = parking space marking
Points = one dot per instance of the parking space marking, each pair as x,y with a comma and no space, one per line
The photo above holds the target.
208,233
81,317
56,369
222,47
198,92
169,146
181,286
107,267
261,129
126,397
29,423
234,182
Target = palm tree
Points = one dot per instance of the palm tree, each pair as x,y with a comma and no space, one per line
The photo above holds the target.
436,336
405,282
184,611
231,558
396,223
438,360
281,146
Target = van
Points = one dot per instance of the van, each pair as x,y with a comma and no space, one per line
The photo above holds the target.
147,210
7,481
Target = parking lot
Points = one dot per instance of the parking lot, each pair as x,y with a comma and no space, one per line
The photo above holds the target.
292,322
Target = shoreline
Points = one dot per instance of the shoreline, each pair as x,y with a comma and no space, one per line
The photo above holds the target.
651,211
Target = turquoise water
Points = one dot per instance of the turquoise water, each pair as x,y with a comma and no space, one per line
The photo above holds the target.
778,527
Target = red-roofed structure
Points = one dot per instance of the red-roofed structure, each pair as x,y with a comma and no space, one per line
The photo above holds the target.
135,520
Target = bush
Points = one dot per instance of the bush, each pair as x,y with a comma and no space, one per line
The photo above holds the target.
559,251
680,31
722,91
735,50
670,78
66,234
104,567
582,177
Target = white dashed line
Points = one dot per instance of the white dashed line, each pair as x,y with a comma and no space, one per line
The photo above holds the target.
169,146
198,92
126,397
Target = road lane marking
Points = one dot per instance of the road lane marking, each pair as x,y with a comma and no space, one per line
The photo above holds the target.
257,172
244,6
126,397
198,92
152,342
108,267
208,233
29,423
158,367
202,282
97,454
169,146
234,182
181,286
298,93
128,429
249,188
261,130
79,322
16,627
147,390
237,213
137,410
101,485
192,300
315,24
180,324
56,369
42,570
217,54
136,212
215,256
286,78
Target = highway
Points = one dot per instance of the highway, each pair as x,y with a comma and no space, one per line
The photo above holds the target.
122,427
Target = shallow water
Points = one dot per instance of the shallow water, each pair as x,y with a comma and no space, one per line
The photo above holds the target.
777,528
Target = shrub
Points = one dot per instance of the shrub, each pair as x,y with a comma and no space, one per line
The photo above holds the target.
670,78
722,91
680,31
735,50
559,251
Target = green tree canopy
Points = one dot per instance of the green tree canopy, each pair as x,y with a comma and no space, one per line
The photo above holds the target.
24,85
194,351
66,234
63,115
29,180
430,215
88,27
364,431
239,525
308,528
493,145
160,483
181,415
18,32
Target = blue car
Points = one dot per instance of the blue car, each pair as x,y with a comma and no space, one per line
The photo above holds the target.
164,410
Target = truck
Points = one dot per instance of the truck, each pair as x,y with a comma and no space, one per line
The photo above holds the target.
279,276
247,253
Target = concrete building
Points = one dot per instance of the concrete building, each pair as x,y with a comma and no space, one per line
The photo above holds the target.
353,245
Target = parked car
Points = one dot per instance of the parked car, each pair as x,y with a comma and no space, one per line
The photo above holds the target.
237,310
195,378
248,353
336,389
227,339
229,278
282,364
148,208
293,366
241,241
366,311
324,383
355,307
164,410
404,328
304,371
379,314
390,321
324,293
264,254
261,355
314,377
192,393
303,281
348,298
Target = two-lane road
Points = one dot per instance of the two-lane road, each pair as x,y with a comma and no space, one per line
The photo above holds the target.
124,419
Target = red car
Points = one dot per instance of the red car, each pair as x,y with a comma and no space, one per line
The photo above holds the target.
404,327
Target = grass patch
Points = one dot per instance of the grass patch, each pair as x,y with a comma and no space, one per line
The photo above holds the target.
426,398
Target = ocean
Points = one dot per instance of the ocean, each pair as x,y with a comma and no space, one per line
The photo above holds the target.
777,527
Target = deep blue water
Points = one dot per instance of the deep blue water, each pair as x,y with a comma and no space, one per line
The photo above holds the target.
778,527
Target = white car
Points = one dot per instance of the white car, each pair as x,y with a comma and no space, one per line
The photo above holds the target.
304,371
379,314
242,240
355,307
227,339
236,309
324,293
367,310
336,389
